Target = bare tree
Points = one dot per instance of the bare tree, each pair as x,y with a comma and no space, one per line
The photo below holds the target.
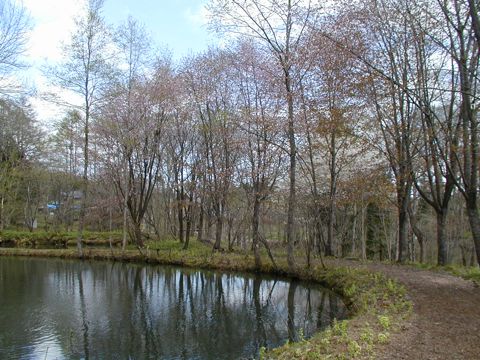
135,56
258,111
211,91
462,45
388,62
131,128
437,103
84,73
279,25
14,31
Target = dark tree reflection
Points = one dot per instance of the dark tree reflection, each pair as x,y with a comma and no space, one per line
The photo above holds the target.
112,311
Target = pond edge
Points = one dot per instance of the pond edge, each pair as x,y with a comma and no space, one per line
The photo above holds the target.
378,306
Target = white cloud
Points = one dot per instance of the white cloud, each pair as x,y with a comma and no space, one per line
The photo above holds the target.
53,23
197,17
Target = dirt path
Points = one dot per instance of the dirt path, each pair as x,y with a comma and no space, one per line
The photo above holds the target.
446,319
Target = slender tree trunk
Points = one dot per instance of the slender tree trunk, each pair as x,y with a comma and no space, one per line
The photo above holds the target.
180,204
441,242
255,230
403,201
464,255
330,229
333,190
318,234
474,220
218,227
473,11
472,258
421,244
180,221
84,185
402,234
231,238
200,223
1,214
354,230
292,176
190,216
418,234
363,233
125,216
188,229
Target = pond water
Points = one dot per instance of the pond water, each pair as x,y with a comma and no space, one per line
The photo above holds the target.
58,309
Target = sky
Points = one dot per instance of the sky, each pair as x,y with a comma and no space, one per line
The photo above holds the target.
178,25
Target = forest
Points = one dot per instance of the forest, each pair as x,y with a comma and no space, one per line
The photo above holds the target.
343,129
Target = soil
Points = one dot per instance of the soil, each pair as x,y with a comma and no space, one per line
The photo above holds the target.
445,323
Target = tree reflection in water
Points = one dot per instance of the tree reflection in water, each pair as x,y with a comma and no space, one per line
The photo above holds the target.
103,310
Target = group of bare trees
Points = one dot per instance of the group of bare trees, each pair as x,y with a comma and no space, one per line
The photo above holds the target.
344,130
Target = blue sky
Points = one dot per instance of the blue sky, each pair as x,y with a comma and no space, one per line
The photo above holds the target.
179,25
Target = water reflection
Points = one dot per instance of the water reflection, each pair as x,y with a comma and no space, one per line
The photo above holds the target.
65,309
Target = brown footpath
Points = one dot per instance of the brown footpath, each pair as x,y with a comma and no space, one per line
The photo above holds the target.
446,319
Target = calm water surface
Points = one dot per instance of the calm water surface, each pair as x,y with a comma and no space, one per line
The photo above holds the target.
57,309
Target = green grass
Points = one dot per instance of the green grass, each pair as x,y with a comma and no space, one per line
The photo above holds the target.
380,307
39,238
467,272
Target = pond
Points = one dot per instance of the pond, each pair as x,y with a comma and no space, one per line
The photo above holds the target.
59,309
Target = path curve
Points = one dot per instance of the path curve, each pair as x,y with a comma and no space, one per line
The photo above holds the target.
446,319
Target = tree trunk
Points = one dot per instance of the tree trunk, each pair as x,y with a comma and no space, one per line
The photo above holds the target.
200,223
354,230
403,202
255,230
363,234
464,255
229,236
83,205
418,234
218,228
474,220
180,221
84,185
188,229
441,243
137,233
1,214
472,259
125,218
421,243
330,229
402,235
318,235
292,175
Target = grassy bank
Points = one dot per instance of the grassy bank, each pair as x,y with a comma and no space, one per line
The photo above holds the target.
377,305
466,272
56,239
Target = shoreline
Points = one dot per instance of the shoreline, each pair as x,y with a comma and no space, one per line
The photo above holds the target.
376,305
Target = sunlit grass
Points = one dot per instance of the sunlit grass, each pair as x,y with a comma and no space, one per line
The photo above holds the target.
466,272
